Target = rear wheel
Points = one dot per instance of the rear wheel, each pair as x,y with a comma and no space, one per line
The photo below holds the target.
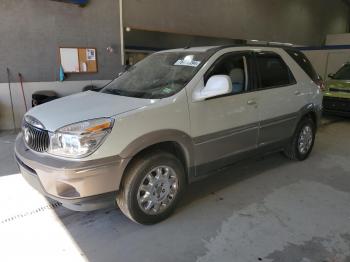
302,142
151,188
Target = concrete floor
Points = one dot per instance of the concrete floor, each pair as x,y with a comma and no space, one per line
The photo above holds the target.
267,209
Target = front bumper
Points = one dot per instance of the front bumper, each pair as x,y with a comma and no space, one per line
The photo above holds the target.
78,185
336,105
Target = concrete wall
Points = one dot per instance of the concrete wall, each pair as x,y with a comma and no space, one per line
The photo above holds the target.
338,39
32,31
62,88
330,58
304,22
136,39
318,58
326,61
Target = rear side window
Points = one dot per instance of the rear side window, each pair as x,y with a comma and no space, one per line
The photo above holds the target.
273,71
304,63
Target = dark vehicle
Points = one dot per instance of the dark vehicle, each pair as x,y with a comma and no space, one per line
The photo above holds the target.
41,97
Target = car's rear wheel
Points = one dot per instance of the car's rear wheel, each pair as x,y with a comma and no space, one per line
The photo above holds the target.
151,188
302,142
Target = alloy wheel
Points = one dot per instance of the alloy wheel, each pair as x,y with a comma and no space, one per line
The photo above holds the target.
305,139
157,190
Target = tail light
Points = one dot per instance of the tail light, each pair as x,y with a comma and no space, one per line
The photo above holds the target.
321,84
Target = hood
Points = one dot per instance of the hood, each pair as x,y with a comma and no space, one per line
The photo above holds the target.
341,84
84,106
337,88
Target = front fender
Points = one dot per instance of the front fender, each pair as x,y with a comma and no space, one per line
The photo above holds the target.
156,137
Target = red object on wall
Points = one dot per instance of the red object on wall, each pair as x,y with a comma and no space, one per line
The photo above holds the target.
24,97
76,2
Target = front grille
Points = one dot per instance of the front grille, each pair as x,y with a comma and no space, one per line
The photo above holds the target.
339,90
35,138
336,104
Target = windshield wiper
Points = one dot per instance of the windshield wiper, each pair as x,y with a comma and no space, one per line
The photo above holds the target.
128,94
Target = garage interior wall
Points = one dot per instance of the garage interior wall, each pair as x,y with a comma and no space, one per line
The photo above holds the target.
32,32
328,61
303,22
153,40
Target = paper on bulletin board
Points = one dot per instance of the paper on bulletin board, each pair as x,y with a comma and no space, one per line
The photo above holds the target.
69,59
90,54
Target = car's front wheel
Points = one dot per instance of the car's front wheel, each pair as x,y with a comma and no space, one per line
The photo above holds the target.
151,188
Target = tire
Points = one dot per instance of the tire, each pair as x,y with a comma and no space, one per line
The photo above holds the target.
294,151
156,166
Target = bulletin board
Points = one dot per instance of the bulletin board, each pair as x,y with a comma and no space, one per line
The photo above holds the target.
78,59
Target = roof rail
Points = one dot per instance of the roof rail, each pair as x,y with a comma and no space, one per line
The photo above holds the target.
279,44
267,44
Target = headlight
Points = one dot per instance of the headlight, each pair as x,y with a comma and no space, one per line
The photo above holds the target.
80,139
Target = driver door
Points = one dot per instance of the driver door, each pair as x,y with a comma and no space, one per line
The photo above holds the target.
225,127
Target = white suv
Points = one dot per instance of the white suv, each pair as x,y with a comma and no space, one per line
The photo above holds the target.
171,119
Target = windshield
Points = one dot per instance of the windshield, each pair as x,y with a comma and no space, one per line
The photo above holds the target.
157,76
343,73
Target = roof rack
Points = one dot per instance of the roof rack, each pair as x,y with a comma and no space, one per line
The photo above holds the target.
269,44
276,44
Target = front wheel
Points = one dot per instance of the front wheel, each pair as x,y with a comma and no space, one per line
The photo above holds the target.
303,140
151,188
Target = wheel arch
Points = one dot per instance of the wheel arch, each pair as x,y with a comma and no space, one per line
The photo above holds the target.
313,111
173,141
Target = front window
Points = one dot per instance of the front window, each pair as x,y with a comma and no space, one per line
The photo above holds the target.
343,73
158,76
233,65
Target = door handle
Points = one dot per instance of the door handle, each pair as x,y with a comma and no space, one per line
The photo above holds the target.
251,102
297,92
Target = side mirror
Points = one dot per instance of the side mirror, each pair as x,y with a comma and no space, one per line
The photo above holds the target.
217,85
331,76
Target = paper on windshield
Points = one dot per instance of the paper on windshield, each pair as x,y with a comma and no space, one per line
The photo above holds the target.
187,61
